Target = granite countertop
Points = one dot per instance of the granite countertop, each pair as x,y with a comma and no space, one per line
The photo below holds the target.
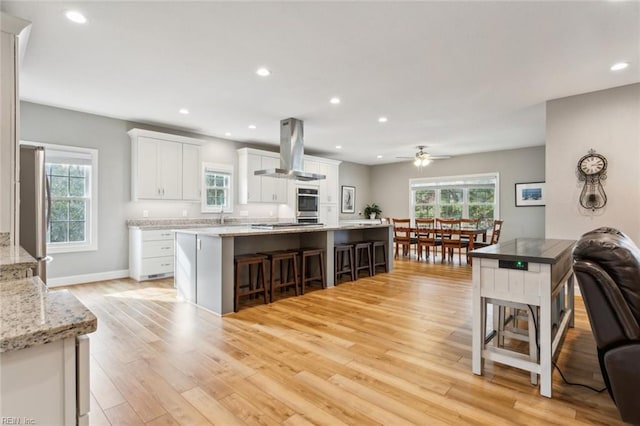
16,256
30,315
242,231
534,250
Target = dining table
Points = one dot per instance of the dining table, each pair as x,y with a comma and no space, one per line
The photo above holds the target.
472,233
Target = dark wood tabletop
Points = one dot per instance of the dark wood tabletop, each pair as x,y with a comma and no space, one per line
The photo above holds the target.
534,250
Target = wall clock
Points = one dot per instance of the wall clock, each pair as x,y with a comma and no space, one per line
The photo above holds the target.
592,170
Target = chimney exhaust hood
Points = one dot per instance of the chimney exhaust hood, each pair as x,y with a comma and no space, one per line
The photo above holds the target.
291,154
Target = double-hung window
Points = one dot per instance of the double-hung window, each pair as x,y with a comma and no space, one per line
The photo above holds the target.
473,196
218,188
72,176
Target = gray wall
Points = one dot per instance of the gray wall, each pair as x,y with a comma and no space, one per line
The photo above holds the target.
609,122
390,185
353,174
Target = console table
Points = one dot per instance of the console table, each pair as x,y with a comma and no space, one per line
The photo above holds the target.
524,271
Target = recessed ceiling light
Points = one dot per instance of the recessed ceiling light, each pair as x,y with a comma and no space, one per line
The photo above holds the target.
379,156
338,146
252,126
227,134
382,120
619,66
334,101
75,16
263,72
183,111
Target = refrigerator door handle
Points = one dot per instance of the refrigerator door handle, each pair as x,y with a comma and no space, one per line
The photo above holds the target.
48,187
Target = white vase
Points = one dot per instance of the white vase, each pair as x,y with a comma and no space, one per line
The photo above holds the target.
372,216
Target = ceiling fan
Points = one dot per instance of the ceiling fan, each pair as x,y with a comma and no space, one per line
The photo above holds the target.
423,158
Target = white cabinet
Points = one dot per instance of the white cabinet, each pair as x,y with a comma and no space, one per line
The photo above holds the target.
198,269
158,174
164,167
55,374
329,186
191,172
151,254
328,190
328,214
259,189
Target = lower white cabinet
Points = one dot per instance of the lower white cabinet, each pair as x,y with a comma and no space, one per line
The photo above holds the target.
151,253
46,384
198,269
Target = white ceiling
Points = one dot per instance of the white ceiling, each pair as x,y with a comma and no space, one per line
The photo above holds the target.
460,77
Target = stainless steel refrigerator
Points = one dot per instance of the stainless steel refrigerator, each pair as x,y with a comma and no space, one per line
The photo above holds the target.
35,205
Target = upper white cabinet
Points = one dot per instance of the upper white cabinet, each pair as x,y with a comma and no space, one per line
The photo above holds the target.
329,186
164,167
191,172
259,189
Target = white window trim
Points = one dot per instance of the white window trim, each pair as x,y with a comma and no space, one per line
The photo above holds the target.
222,168
92,243
412,182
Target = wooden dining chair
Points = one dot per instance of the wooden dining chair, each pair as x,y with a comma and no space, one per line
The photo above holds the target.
495,235
402,236
450,231
426,237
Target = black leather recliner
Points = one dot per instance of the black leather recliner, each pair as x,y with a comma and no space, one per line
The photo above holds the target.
607,268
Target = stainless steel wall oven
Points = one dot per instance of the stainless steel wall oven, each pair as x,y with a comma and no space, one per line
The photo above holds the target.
307,204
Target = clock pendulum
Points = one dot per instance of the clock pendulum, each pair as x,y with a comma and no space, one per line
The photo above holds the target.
592,170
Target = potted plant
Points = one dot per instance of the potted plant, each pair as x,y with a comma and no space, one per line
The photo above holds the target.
372,210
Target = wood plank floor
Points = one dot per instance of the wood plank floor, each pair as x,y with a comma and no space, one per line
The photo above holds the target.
393,349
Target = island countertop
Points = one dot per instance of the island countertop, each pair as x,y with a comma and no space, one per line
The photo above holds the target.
32,315
247,230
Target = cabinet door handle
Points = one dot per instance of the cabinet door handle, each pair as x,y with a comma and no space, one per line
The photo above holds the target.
163,192
158,191
199,244
165,264
165,248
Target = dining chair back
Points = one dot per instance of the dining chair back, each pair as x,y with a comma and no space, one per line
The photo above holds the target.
402,236
495,234
450,232
426,236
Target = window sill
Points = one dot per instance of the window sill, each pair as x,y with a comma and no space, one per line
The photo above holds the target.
70,248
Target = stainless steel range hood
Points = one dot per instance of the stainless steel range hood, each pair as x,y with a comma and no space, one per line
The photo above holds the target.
291,154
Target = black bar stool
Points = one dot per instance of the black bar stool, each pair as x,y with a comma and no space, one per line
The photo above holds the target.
308,254
341,266
376,261
363,258
286,261
259,286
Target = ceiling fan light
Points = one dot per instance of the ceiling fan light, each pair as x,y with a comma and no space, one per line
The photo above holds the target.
425,162
417,162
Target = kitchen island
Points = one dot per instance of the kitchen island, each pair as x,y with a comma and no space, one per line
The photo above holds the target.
204,268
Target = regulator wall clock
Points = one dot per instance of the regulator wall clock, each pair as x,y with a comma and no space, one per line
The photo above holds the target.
592,170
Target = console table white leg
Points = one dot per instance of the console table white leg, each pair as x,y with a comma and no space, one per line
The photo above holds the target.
479,322
544,328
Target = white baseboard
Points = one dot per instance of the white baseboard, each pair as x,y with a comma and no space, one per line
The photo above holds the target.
87,278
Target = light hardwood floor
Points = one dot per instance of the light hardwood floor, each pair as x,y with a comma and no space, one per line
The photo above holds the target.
393,349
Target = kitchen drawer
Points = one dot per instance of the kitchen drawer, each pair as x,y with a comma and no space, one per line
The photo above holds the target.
157,234
157,265
157,248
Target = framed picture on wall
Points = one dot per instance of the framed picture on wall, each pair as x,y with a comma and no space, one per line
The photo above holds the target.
530,194
348,204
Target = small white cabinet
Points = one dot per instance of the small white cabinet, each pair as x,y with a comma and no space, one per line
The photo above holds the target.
259,189
151,253
164,167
